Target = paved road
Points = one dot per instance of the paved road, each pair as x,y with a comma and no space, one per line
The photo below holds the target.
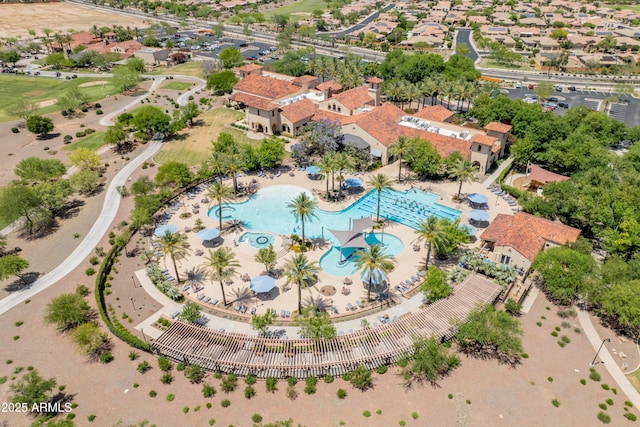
463,36
104,220
360,25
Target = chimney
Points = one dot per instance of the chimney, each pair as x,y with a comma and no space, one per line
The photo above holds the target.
374,90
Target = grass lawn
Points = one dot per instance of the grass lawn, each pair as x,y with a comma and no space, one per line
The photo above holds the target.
37,89
191,68
93,141
177,86
632,7
634,379
197,143
298,10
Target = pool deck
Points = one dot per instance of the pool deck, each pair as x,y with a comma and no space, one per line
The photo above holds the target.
408,261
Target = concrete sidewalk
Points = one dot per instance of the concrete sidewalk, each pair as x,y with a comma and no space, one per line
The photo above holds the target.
606,358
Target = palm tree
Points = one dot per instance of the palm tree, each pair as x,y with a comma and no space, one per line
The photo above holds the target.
302,207
216,163
176,246
379,182
301,272
374,265
429,88
221,265
430,231
221,193
393,90
326,168
463,171
234,164
343,162
398,149
413,94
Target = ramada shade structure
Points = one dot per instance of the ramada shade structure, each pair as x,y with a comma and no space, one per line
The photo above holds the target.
353,238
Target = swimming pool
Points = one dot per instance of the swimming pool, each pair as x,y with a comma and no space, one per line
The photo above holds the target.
329,262
266,210
258,240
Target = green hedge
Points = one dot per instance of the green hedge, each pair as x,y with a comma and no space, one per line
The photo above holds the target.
114,326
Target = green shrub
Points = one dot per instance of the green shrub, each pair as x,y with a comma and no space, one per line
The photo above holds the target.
554,334
250,380
583,381
594,375
402,423
565,339
539,323
90,271
225,403
212,422
180,366
341,393
291,392
630,416
98,112
628,404
185,409
164,364
153,393
208,405
382,369
603,406
89,131
166,378
80,134
106,357
271,384
249,392
562,343
525,356
170,397
604,417
378,411
229,383
328,379
133,355
614,390
143,367
256,418
91,418
15,130
208,390
604,386
291,381
360,378
196,408
366,413
550,379
555,402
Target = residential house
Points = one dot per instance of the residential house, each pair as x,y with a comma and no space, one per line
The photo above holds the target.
517,239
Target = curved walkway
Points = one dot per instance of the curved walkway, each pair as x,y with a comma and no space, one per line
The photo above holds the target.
106,217
606,358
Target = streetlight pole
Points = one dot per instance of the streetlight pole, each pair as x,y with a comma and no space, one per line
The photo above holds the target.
133,304
593,362
133,280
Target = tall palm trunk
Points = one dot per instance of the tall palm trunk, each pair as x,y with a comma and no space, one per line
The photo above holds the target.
459,189
220,214
399,174
378,211
426,261
369,290
302,221
175,268
224,297
299,298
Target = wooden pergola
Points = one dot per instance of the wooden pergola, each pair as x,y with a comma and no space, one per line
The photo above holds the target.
381,345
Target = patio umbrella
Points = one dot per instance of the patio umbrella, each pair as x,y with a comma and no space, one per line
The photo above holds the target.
208,233
471,230
479,199
477,215
162,229
312,170
353,182
262,284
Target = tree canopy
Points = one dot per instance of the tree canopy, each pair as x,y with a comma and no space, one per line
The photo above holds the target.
67,311
40,125
37,169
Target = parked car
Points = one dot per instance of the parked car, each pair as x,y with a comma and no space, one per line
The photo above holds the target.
530,86
304,59
275,57
529,101
572,88
273,48
563,105
518,85
552,99
550,104
547,109
558,88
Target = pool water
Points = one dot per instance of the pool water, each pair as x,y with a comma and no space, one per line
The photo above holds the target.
329,262
267,210
258,240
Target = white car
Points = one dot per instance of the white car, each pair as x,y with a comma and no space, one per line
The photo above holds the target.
529,101
518,85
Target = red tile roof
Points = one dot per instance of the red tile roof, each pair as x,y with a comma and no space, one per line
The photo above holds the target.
354,98
329,84
483,139
82,38
436,113
528,234
266,87
382,124
250,67
322,115
498,127
304,79
254,101
300,110
536,173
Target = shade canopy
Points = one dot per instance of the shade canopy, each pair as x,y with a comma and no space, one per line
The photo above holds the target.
162,229
262,284
353,182
312,170
208,233
470,229
479,199
477,215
